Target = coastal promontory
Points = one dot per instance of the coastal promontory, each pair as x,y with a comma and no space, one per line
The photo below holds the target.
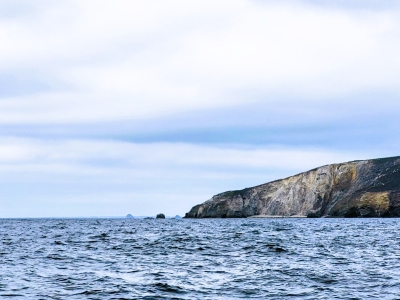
367,188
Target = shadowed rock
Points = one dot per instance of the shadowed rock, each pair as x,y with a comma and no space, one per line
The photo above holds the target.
160,216
369,188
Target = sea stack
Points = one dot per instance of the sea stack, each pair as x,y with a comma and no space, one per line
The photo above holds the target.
368,188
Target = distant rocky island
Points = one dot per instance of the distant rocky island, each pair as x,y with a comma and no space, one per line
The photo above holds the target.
367,188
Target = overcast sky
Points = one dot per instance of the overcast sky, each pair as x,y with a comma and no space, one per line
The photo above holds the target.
141,107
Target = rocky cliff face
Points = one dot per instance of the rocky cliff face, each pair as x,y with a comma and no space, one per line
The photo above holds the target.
369,188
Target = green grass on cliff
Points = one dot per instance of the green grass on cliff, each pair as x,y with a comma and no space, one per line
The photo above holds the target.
234,193
379,161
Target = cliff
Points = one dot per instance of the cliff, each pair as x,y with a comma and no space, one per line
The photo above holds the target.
369,188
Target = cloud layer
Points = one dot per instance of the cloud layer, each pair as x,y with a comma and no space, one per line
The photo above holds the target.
97,61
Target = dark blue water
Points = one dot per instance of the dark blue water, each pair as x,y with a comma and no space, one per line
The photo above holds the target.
200,259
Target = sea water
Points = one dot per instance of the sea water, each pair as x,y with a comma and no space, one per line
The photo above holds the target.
200,259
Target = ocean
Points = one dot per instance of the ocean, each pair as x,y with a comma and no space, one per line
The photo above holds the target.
200,258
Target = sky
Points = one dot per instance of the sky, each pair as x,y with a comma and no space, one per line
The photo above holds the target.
145,107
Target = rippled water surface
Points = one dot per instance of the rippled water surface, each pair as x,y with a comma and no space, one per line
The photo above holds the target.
200,259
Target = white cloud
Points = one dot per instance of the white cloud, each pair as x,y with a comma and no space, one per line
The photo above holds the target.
115,155
134,60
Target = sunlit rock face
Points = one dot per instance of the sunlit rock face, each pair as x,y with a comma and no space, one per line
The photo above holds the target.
369,188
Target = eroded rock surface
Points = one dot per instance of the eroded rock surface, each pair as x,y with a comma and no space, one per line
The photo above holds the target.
369,188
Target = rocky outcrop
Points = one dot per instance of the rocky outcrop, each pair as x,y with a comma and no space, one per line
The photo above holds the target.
369,188
160,216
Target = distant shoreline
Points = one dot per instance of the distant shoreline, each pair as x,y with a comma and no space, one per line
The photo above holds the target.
274,216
